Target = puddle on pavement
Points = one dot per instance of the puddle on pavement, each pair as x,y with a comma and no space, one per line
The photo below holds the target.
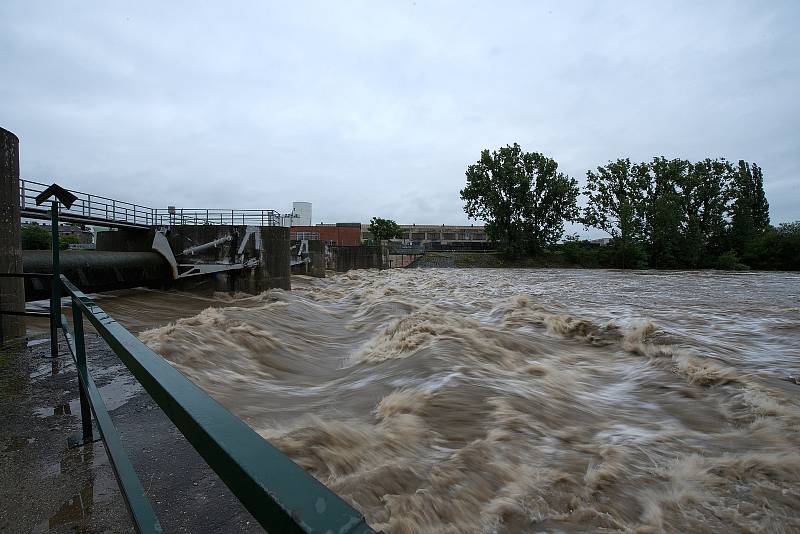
116,393
99,488
71,408
17,443
45,368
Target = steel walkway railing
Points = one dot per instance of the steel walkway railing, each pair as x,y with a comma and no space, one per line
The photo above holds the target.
278,493
104,211
87,209
168,217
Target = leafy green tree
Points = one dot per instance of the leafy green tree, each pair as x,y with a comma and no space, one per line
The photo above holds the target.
711,179
383,229
34,237
666,204
617,205
522,198
750,209
676,214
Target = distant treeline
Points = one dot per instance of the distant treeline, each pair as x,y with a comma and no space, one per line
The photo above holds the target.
664,214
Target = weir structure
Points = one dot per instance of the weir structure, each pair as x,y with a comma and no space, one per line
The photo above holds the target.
278,493
231,250
217,249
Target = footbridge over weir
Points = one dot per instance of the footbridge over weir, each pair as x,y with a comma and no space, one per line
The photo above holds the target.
111,213
219,249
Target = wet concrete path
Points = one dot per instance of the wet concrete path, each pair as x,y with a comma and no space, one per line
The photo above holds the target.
46,486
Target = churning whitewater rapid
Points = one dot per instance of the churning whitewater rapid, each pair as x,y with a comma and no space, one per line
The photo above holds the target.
465,401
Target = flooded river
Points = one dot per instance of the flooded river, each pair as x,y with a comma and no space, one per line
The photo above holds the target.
457,401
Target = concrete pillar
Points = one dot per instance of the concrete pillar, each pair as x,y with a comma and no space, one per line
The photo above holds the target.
344,260
383,255
316,251
12,290
361,257
274,271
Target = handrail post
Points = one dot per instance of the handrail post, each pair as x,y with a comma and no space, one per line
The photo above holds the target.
55,293
80,357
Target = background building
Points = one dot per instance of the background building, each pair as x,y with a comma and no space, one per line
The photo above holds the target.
342,234
302,210
440,236
431,236
300,215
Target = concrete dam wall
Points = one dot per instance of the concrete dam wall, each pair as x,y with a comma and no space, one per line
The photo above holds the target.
200,257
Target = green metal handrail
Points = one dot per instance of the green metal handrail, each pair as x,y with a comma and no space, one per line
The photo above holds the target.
279,494
142,513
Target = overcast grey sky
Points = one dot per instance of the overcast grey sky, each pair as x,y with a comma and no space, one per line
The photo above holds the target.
376,108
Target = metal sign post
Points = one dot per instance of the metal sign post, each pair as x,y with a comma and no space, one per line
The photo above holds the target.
67,199
55,281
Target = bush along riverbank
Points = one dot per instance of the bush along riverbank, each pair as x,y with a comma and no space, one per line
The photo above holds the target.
778,249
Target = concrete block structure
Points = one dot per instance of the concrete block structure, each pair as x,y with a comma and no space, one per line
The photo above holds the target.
216,246
12,292
361,257
270,247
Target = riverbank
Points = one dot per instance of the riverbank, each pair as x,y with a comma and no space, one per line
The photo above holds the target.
490,260
550,259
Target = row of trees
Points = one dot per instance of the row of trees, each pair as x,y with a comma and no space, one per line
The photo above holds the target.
675,213
665,213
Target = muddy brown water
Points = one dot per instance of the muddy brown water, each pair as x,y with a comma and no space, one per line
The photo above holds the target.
450,401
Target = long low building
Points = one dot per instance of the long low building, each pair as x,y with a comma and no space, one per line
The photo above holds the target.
435,236
432,236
